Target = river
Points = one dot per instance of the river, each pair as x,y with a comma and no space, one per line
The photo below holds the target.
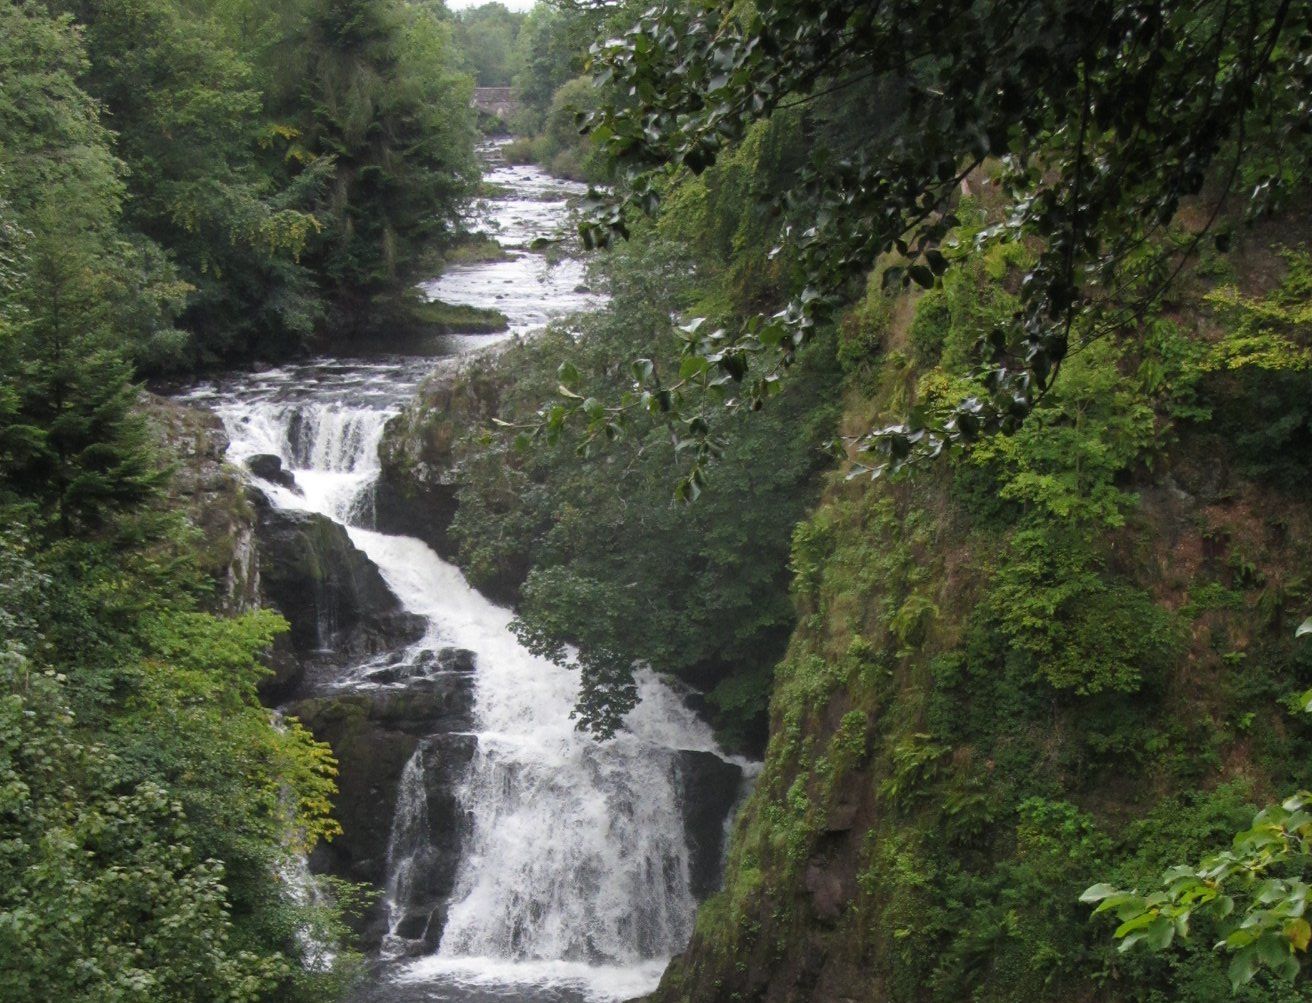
573,880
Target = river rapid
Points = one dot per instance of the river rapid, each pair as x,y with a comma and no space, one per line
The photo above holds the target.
573,882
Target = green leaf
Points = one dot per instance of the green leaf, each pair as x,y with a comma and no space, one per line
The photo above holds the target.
643,370
1273,949
1304,628
1299,933
1242,968
1096,893
1134,923
692,365
1160,934
1130,941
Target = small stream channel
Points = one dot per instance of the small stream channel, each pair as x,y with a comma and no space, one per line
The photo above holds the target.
523,861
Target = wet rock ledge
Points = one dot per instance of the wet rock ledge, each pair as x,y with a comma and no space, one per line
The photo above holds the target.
374,733
344,668
416,490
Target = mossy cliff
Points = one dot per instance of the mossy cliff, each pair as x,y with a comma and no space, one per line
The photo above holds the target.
1060,658
419,480
214,497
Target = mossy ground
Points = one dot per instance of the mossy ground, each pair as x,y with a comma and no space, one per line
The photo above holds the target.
436,317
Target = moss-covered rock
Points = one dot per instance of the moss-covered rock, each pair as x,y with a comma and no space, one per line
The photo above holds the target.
374,733
417,487
338,606
214,497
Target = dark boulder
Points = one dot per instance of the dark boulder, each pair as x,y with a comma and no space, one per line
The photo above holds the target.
435,850
709,788
338,606
269,467
374,734
419,508
420,457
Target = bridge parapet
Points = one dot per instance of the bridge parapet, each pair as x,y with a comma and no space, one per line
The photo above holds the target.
498,102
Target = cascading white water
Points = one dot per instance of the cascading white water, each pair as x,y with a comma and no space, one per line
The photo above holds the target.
576,858
575,867
330,448
577,851
408,847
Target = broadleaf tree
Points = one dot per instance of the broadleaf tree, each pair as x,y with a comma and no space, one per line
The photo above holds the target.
1255,895
1099,121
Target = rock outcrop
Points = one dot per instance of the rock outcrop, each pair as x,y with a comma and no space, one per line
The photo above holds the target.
710,787
213,494
338,606
374,733
416,490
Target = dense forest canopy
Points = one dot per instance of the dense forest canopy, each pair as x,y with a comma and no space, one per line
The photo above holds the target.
1100,122
1120,137
489,39
271,176
181,185
1058,247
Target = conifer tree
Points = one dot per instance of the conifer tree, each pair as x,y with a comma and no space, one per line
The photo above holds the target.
379,97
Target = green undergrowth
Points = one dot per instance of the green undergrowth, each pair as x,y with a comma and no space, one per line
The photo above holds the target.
151,808
1059,656
475,249
588,540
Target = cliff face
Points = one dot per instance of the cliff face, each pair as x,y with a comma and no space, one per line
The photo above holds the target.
417,486
214,497
1056,660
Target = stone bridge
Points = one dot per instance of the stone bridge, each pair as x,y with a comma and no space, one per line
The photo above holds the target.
496,102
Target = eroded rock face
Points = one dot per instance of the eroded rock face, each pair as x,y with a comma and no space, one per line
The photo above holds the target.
710,788
416,490
338,606
374,733
435,858
213,494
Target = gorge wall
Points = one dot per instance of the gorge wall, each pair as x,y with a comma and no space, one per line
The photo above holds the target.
1064,657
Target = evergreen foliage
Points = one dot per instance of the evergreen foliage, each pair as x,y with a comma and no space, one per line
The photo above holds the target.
273,175
174,192
1012,675
372,90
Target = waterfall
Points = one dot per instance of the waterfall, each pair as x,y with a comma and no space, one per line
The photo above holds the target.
410,851
331,449
576,850
573,873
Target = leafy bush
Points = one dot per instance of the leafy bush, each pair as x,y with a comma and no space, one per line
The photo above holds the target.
612,566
